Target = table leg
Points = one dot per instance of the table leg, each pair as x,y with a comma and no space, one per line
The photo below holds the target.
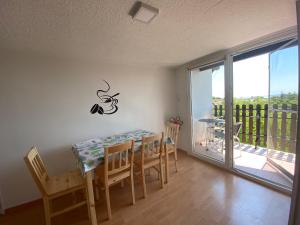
90,198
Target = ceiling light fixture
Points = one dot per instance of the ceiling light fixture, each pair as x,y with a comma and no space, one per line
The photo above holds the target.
143,12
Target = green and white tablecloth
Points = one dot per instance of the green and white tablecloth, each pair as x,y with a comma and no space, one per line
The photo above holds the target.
90,153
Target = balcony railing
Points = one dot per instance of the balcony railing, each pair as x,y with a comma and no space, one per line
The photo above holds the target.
255,119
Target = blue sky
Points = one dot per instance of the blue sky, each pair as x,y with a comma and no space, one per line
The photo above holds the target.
251,76
284,71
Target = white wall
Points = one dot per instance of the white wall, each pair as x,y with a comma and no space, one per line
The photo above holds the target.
46,102
183,108
201,86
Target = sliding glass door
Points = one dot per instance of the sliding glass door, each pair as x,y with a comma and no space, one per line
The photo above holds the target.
262,87
208,111
282,110
265,96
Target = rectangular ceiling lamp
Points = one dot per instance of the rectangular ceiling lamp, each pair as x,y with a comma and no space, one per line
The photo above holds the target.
144,13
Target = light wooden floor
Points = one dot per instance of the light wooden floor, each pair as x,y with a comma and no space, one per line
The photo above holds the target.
199,194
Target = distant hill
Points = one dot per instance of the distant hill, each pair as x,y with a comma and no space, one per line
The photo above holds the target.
289,99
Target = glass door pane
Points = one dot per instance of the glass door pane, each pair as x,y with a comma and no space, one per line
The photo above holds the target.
282,112
250,95
208,111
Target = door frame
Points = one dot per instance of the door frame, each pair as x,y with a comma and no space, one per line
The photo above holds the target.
294,217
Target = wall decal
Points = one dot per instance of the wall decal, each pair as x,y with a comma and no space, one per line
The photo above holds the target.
107,104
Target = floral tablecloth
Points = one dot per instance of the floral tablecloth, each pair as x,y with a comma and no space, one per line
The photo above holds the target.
90,153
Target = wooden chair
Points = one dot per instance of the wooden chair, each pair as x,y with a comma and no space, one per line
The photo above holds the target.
172,131
118,166
151,156
236,132
52,187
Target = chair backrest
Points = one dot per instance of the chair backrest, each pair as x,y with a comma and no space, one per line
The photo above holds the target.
152,147
172,131
37,169
237,128
118,158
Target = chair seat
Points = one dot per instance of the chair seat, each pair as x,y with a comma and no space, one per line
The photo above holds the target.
67,182
112,179
148,162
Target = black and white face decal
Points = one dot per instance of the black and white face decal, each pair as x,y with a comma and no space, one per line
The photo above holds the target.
107,103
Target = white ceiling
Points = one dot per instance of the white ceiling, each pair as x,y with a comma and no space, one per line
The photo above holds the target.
102,29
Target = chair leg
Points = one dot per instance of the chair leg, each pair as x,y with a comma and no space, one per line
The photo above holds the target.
167,167
240,147
108,202
132,188
175,155
47,210
222,146
235,138
144,182
122,183
162,180
157,170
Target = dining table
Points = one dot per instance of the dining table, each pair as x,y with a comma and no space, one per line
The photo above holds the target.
89,155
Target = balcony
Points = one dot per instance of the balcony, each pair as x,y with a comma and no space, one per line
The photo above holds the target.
275,163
